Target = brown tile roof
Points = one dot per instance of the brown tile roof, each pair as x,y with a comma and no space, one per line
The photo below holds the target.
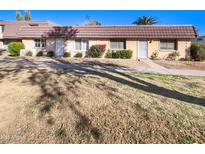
137,32
140,32
12,29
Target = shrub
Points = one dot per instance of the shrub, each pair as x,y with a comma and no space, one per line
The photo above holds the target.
198,51
50,54
29,53
108,54
116,54
154,55
173,55
95,51
66,54
188,58
40,53
78,55
123,54
102,47
15,47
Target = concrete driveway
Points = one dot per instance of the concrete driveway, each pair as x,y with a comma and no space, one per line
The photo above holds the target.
50,63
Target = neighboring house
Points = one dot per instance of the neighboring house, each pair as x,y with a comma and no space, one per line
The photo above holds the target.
199,39
142,40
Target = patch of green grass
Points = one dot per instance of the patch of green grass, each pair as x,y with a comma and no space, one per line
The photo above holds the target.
193,85
159,76
47,105
32,106
186,139
43,106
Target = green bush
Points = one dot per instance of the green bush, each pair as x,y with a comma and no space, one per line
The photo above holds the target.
29,53
125,54
188,58
122,54
39,54
79,55
173,55
198,51
50,54
108,54
14,48
95,52
66,54
116,54
154,55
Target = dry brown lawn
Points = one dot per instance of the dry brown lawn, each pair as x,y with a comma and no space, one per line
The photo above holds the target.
56,106
194,65
105,62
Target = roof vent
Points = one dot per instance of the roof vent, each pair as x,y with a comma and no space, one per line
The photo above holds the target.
33,24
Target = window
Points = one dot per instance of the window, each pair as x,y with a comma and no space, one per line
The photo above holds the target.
117,44
199,39
81,45
1,28
168,44
40,43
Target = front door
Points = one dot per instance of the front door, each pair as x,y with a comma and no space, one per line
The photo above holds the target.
59,47
143,49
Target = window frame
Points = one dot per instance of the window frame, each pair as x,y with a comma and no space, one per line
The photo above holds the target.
117,41
167,41
2,28
83,47
41,41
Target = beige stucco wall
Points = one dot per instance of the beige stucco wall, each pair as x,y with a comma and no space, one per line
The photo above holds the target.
30,45
1,44
70,45
132,45
154,46
183,47
100,42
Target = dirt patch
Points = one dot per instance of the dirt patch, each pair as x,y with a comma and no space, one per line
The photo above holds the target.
182,64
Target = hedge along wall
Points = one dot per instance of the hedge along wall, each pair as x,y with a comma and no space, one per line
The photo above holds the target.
198,51
121,54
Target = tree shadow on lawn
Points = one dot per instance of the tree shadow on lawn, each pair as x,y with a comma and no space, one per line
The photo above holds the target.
144,85
51,89
40,77
137,83
51,92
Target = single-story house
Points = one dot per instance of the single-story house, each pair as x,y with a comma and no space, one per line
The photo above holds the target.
199,39
142,40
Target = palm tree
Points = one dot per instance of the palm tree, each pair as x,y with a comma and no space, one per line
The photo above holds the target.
91,22
19,16
28,16
145,20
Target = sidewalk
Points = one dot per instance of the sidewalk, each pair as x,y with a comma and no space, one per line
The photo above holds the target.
158,69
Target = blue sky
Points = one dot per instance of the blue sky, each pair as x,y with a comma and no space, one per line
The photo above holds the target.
124,17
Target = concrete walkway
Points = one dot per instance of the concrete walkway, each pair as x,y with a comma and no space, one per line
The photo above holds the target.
153,68
54,64
158,69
